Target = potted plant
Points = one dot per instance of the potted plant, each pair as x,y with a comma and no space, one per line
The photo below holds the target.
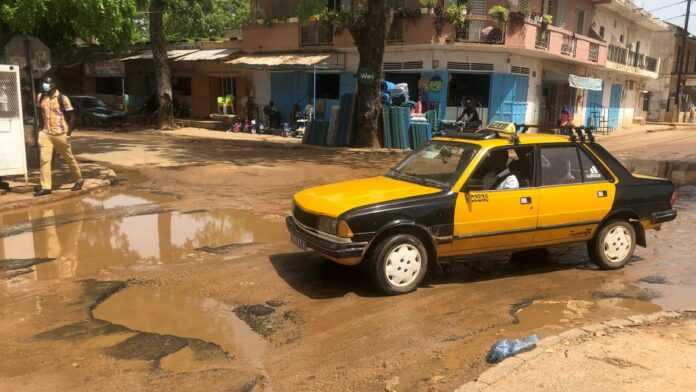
546,20
427,6
499,13
457,14
440,20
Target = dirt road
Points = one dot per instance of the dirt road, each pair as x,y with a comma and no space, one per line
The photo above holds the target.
181,278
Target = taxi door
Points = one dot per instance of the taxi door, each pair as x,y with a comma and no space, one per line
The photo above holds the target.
575,195
496,219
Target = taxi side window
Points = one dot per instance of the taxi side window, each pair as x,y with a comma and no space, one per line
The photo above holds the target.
560,166
590,170
502,169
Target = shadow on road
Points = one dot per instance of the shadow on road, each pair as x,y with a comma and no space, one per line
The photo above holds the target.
318,278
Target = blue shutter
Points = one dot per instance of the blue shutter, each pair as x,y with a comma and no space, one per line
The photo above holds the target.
508,101
615,105
519,113
593,109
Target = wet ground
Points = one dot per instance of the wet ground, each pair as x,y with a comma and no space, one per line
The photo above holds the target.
158,285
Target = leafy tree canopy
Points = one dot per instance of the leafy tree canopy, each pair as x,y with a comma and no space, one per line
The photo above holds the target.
116,24
59,22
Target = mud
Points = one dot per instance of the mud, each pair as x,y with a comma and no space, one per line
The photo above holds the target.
184,280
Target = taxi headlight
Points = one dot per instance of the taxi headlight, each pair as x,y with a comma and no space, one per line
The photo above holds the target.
328,225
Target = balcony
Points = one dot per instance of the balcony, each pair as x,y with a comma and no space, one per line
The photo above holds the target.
555,43
316,34
480,29
621,59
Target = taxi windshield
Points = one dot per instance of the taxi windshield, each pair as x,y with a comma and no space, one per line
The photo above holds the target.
438,164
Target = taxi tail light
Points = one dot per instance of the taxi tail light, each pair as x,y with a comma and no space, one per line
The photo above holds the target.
344,230
674,199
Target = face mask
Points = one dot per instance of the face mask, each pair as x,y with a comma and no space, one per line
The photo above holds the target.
46,87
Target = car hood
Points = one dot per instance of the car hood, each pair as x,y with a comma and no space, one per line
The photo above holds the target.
335,199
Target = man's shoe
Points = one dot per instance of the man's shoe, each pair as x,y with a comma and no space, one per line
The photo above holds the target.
77,186
42,192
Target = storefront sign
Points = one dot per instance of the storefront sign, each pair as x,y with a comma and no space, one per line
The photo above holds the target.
105,69
366,76
585,83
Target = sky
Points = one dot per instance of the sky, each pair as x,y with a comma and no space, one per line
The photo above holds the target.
671,11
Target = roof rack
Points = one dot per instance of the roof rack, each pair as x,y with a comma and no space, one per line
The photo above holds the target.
581,134
496,129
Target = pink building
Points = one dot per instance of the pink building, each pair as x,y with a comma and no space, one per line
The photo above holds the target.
517,71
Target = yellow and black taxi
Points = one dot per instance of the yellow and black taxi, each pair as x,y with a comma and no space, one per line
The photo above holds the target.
497,189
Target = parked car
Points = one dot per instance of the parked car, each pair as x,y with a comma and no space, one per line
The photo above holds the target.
480,192
92,111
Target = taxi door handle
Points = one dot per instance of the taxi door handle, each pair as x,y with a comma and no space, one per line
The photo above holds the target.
525,200
602,194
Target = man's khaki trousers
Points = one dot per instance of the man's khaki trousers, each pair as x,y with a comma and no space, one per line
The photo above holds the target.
62,145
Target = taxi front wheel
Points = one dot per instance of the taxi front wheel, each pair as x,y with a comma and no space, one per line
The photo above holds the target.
398,264
613,245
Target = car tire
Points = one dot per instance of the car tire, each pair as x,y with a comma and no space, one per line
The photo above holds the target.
614,244
398,264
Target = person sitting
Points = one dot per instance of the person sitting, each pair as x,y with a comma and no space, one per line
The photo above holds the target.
469,116
497,176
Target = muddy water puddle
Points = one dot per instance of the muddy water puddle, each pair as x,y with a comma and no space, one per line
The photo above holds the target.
124,230
170,311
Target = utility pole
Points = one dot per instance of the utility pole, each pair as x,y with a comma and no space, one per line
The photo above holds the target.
680,70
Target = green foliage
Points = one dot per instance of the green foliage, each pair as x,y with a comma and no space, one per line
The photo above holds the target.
499,13
193,19
59,22
116,24
457,14
310,10
548,19
428,3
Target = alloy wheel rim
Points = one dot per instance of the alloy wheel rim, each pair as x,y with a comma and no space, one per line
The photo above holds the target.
617,244
403,265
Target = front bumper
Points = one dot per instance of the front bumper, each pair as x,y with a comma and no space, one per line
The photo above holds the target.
663,216
339,250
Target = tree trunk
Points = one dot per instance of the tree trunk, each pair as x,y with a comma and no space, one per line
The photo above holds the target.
163,74
370,39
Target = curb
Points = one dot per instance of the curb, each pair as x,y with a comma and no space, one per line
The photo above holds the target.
106,179
680,172
510,365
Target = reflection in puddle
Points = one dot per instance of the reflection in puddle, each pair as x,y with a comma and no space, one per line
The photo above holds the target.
84,240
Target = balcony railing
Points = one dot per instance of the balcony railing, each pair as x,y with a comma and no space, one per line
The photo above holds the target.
316,34
543,38
396,33
594,53
480,29
632,59
569,45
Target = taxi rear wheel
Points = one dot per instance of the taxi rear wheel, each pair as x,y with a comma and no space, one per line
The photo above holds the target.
614,244
398,264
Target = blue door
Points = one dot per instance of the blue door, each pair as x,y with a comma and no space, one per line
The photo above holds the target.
593,109
615,105
508,100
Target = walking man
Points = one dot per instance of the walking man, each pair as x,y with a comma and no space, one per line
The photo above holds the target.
57,119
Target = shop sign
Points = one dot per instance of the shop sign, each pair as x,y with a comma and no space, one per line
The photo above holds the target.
366,76
105,69
435,84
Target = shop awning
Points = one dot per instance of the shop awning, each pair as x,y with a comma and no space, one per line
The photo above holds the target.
208,55
585,83
171,54
290,61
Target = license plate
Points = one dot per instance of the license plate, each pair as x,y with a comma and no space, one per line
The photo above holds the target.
299,242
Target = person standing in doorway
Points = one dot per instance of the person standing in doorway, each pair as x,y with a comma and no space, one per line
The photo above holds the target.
57,119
